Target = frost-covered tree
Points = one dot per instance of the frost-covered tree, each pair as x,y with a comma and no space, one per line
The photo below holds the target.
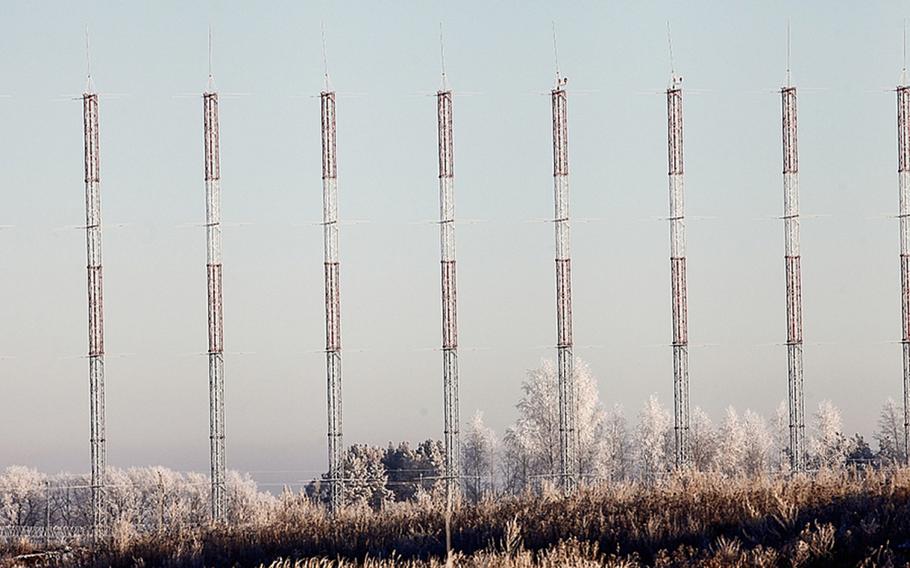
178,498
134,497
532,443
414,470
69,496
591,424
828,444
618,445
757,444
731,446
156,496
534,438
890,434
376,476
654,439
245,504
21,496
702,440
123,497
365,477
479,446
515,462
431,460
193,498
860,455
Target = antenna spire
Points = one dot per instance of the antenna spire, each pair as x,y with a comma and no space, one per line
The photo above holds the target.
325,59
442,57
210,87
559,79
89,84
788,52
904,67
674,80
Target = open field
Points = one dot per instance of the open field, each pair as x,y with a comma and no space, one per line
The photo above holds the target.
835,518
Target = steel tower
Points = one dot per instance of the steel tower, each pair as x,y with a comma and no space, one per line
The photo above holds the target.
332,299
449,296
679,299
903,169
568,436
215,305
95,301
793,280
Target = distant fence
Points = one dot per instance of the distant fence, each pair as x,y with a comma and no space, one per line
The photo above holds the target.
52,534
59,534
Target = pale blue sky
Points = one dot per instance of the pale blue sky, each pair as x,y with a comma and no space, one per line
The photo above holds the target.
384,60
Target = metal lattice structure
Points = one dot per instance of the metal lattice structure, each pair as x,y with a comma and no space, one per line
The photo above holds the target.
903,173
679,298
568,436
797,405
215,305
95,301
332,300
449,295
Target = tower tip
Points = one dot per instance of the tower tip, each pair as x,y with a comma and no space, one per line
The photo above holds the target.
675,80
561,81
210,85
89,83
442,59
325,62
903,79
789,81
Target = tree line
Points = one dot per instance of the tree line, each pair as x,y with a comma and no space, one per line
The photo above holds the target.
524,458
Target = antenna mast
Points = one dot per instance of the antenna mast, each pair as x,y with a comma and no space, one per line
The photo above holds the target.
679,298
445,147
215,306
793,277
568,435
332,296
903,173
95,296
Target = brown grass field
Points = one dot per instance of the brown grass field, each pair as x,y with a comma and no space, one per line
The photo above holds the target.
833,518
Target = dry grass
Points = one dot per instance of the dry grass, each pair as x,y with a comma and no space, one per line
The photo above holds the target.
832,519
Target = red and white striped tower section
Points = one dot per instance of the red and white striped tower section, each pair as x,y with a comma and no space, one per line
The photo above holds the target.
449,296
332,300
903,173
794,281
95,301
568,439
679,298
215,306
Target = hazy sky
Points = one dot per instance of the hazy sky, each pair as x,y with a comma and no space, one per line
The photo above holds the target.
149,62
